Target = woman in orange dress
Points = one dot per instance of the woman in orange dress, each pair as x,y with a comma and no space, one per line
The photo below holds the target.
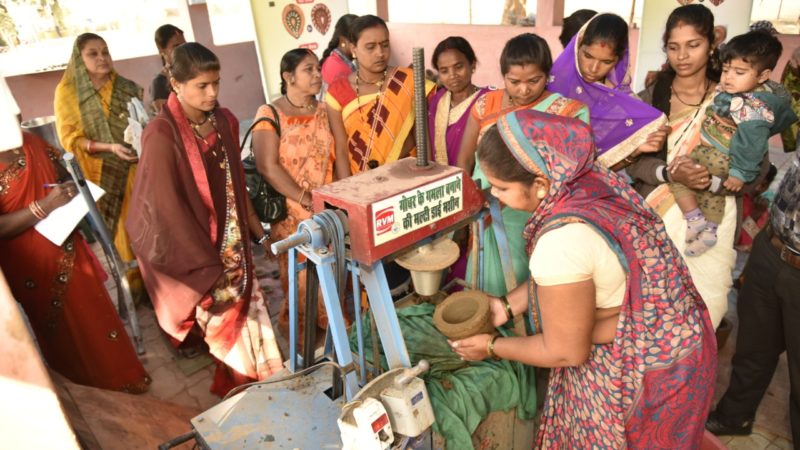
525,64
303,157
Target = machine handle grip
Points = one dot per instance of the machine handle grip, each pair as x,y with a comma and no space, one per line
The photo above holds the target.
411,373
299,238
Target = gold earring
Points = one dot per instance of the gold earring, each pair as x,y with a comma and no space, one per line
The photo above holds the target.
540,194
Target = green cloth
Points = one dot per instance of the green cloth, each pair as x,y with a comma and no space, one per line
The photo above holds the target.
462,393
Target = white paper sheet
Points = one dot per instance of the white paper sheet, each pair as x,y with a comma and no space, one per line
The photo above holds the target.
58,225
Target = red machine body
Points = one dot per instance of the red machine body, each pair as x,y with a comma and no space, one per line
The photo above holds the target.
396,205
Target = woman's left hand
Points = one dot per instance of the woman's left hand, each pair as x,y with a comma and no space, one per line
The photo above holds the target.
655,140
124,152
473,348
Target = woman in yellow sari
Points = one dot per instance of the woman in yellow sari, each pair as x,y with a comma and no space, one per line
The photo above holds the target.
375,104
91,104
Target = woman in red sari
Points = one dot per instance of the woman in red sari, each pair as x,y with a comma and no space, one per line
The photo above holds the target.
59,287
191,223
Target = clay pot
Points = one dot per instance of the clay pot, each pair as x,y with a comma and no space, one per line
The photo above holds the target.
463,314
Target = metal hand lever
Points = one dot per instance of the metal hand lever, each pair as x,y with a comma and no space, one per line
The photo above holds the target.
299,238
411,373
118,269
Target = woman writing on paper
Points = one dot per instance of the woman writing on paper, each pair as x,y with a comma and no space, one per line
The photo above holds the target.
60,287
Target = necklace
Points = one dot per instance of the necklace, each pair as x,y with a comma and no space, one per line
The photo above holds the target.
309,106
376,83
196,125
511,101
380,97
196,128
705,92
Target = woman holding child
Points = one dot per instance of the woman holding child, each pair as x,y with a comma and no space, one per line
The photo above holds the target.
683,92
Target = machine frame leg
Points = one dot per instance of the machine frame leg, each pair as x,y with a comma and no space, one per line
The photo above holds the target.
336,325
380,300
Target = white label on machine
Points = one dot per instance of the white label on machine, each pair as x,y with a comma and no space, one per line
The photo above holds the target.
399,215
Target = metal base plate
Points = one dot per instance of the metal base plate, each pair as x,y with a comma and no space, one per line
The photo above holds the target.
293,414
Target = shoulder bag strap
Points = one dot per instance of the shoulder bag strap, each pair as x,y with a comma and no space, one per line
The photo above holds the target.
276,123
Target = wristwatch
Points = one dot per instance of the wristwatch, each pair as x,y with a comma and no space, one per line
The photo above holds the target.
262,239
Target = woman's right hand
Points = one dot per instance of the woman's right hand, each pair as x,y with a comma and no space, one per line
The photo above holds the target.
123,152
498,311
688,173
58,196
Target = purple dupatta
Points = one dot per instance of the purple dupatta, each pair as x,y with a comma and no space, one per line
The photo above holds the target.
620,122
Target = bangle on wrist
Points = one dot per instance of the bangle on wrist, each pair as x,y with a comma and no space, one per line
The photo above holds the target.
36,210
89,146
490,348
262,239
665,174
300,199
507,305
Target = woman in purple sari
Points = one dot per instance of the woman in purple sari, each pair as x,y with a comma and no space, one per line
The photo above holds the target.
593,69
448,108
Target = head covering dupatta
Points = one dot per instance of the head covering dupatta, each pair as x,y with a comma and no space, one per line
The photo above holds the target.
620,122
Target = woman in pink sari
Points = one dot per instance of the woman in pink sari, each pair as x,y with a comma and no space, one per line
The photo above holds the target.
614,310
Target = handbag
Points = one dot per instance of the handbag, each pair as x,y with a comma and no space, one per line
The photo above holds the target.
268,203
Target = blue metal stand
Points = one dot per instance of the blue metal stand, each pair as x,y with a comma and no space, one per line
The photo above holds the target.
312,240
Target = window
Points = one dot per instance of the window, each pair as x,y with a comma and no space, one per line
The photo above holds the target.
784,14
475,12
621,8
37,35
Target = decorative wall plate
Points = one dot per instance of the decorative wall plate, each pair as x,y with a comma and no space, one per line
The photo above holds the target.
716,2
685,2
293,20
321,17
